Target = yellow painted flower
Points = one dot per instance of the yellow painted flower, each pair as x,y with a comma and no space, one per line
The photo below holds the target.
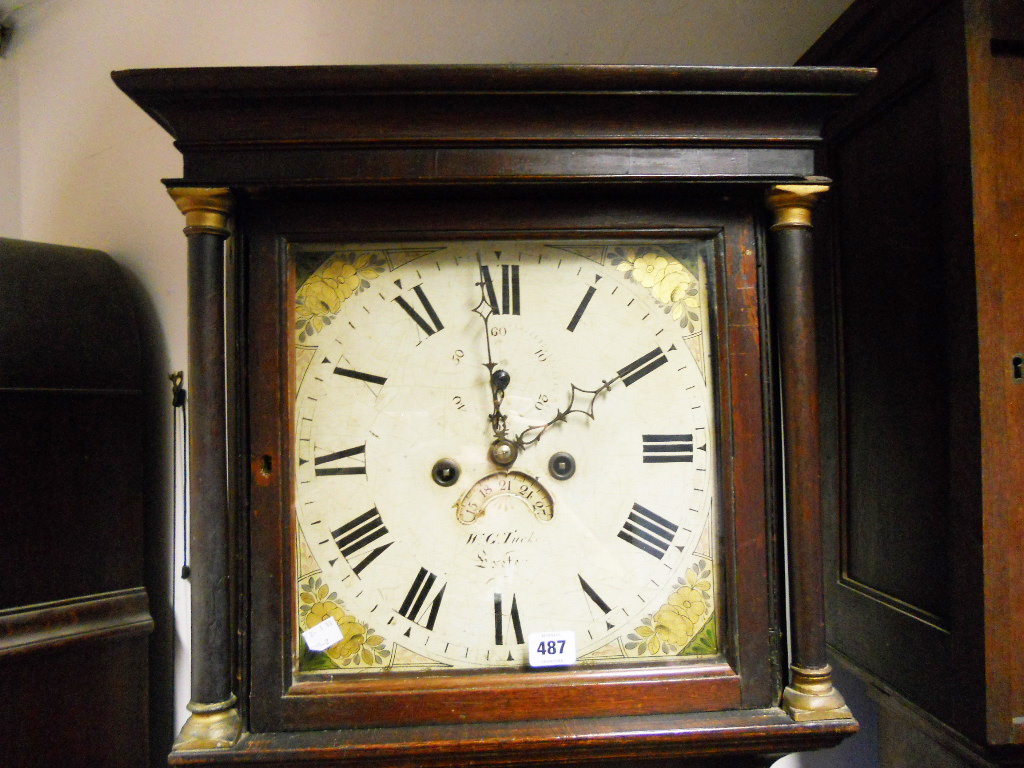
343,276
689,602
354,644
672,285
315,299
321,611
324,291
647,270
672,625
354,634
348,276
668,281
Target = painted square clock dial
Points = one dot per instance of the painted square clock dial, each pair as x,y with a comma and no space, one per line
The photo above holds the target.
503,395
548,407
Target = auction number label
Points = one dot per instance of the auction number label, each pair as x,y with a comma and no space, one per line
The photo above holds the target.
552,649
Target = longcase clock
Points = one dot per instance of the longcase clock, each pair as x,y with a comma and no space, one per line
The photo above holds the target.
490,373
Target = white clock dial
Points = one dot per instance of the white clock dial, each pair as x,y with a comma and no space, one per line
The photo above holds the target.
424,543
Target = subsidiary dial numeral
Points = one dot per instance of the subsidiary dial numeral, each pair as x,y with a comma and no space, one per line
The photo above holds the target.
321,470
648,532
434,325
662,449
416,607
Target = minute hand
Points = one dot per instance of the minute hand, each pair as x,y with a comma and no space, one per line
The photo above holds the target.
582,400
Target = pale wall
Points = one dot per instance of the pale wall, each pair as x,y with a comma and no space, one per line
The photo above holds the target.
80,164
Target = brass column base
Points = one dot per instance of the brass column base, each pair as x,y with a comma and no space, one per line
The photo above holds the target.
811,696
210,726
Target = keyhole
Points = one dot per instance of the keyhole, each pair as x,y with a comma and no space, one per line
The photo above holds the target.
1018,368
445,472
263,469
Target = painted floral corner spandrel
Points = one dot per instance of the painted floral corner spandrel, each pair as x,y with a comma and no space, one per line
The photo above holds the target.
685,624
359,645
320,294
672,283
360,649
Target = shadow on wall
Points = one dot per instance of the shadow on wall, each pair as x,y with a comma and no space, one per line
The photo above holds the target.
158,531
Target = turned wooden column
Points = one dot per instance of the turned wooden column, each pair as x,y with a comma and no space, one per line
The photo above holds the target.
214,722
810,694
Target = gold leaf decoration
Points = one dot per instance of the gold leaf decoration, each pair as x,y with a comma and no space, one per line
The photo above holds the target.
340,276
671,284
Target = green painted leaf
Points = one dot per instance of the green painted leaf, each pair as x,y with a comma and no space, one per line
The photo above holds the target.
705,641
311,661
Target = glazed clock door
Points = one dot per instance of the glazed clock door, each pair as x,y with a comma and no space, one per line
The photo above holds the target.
500,441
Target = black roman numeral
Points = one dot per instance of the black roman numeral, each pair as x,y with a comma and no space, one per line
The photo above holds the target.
358,469
581,309
499,621
435,323
648,532
642,366
355,537
661,449
414,607
509,289
367,377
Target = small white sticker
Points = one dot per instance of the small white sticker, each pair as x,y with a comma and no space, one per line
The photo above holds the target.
552,649
323,635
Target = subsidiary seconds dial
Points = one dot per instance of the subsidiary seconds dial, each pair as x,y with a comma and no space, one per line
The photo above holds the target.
502,437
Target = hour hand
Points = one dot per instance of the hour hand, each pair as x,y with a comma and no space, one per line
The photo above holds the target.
500,379
497,378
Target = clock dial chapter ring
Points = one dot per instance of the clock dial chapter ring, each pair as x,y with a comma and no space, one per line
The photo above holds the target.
509,493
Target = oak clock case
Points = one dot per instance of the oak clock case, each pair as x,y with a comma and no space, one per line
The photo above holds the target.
520,365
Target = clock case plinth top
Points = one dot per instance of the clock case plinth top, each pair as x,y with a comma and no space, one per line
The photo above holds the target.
324,126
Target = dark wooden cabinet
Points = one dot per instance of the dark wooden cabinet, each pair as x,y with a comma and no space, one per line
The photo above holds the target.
924,390
374,168
74,615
